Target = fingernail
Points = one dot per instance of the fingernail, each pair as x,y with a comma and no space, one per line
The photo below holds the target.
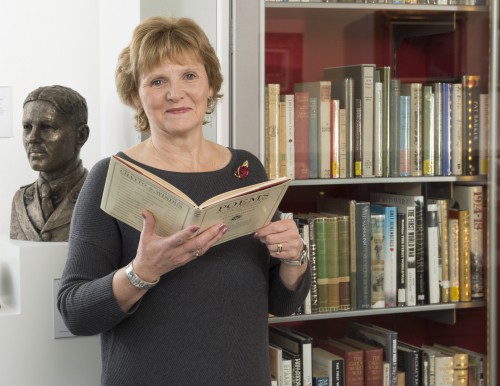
223,228
194,229
255,235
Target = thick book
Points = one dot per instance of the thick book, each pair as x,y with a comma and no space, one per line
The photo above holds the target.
130,189
377,241
432,253
477,366
471,199
344,262
409,361
297,343
275,363
453,258
331,364
457,144
363,76
353,360
471,100
460,363
323,235
287,135
376,335
373,360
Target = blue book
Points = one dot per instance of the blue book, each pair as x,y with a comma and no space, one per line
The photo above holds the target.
390,251
404,136
446,129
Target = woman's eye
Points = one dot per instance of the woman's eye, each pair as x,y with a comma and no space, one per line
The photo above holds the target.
157,83
190,76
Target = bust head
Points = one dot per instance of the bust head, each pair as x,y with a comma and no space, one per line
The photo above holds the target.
54,129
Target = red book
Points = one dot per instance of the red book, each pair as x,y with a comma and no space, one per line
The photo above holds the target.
353,360
301,136
373,361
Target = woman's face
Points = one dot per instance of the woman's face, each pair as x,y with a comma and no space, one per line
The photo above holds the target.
174,96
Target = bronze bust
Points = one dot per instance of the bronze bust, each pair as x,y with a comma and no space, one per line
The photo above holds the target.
54,130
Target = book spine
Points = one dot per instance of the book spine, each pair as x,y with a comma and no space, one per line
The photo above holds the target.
313,138
333,264
378,131
349,115
377,260
290,135
453,250
344,256
314,267
358,139
456,129
335,139
483,133
385,78
343,150
446,129
301,135
416,130
324,129
429,136
401,261
367,99
363,255
272,128
421,282
395,122
404,136
411,261
432,252
471,95
282,140
464,259
321,232
438,129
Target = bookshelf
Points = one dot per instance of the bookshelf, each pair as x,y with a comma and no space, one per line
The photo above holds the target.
306,37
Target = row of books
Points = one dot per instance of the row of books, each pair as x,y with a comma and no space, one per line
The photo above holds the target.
358,122
368,355
396,250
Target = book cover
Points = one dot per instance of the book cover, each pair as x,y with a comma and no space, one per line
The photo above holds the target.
323,250
377,240
414,90
301,136
377,131
335,138
322,91
378,336
282,140
464,263
329,363
409,362
454,257
390,251
457,144
373,360
471,199
275,363
271,129
130,189
363,76
401,259
353,360
313,137
404,136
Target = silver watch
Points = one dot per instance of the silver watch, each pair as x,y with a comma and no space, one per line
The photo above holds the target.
304,256
136,281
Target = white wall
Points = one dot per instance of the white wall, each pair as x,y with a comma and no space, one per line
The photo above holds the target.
73,43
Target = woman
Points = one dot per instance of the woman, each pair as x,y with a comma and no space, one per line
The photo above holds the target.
178,310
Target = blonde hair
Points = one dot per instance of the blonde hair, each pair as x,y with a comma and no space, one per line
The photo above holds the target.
154,40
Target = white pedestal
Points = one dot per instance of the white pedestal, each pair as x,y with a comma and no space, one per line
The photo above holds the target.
29,353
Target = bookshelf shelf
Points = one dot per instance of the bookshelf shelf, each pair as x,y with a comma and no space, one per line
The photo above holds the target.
307,37
448,309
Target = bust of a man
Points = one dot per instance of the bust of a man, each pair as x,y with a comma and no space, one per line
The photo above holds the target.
54,130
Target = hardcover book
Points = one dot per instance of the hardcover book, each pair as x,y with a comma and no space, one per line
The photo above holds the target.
464,263
130,189
373,360
271,126
301,136
329,363
353,360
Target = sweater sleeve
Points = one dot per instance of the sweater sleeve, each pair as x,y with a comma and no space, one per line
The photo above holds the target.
85,299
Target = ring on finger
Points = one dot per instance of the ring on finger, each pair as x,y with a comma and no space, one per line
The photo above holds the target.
195,253
279,248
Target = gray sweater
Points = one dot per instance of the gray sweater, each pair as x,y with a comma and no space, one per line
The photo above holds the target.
204,324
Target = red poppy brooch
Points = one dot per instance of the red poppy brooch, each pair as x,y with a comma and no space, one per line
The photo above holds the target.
242,171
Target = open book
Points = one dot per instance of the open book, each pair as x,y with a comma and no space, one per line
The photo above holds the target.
130,189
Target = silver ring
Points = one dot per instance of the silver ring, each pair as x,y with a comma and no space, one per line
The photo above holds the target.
195,253
280,248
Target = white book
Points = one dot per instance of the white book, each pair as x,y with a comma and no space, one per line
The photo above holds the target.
342,144
377,130
275,363
456,130
432,248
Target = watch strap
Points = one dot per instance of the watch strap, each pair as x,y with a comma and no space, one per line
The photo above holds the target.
136,281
